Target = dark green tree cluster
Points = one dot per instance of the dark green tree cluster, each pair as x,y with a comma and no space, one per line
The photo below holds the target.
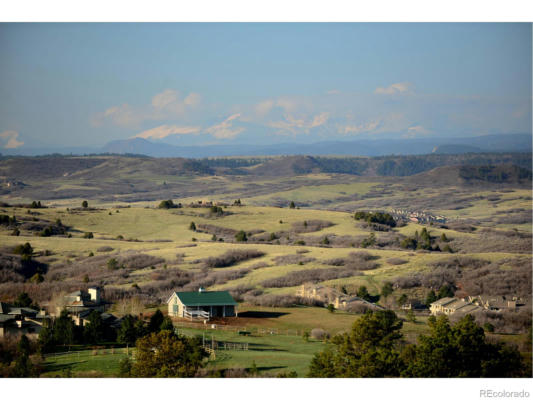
159,322
362,292
376,218
166,204
7,220
36,204
386,289
16,362
56,229
165,354
64,332
460,350
133,328
216,210
241,236
374,348
23,249
24,300
112,264
60,332
422,241
369,241
444,291
130,330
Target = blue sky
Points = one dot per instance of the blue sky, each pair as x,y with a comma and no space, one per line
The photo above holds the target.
187,83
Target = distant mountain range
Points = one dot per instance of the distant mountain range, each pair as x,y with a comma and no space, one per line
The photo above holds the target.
480,144
367,147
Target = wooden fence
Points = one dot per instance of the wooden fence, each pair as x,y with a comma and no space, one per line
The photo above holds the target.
244,330
92,352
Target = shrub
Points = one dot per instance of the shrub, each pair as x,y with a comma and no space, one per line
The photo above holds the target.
319,334
88,235
104,249
313,225
166,204
369,241
23,249
241,236
112,264
231,257
396,261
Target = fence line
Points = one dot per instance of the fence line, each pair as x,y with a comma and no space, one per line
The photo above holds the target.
242,329
94,352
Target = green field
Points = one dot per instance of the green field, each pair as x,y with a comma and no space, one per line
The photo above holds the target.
85,363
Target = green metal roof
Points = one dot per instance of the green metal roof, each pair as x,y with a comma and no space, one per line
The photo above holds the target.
206,298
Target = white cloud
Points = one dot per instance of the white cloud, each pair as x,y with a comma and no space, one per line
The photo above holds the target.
319,120
163,131
361,128
295,125
289,105
164,105
8,140
123,115
264,107
401,87
163,99
334,91
193,99
225,129
415,131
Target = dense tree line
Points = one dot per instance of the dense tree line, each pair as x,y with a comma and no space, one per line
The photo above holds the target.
15,361
375,218
374,348
230,162
62,331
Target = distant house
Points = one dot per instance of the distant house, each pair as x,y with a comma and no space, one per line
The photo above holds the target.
329,295
81,303
496,303
324,294
202,304
451,305
354,303
20,320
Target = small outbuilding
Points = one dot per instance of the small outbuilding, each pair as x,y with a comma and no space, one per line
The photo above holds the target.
202,304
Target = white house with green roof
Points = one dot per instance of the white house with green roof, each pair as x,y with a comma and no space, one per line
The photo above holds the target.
202,304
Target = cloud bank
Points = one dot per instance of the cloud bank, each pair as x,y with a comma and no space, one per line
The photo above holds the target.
165,105
401,87
8,140
163,131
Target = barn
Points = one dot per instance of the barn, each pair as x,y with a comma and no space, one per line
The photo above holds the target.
202,304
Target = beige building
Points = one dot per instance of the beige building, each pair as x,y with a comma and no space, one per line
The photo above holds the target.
81,303
451,305
330,295
495,302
